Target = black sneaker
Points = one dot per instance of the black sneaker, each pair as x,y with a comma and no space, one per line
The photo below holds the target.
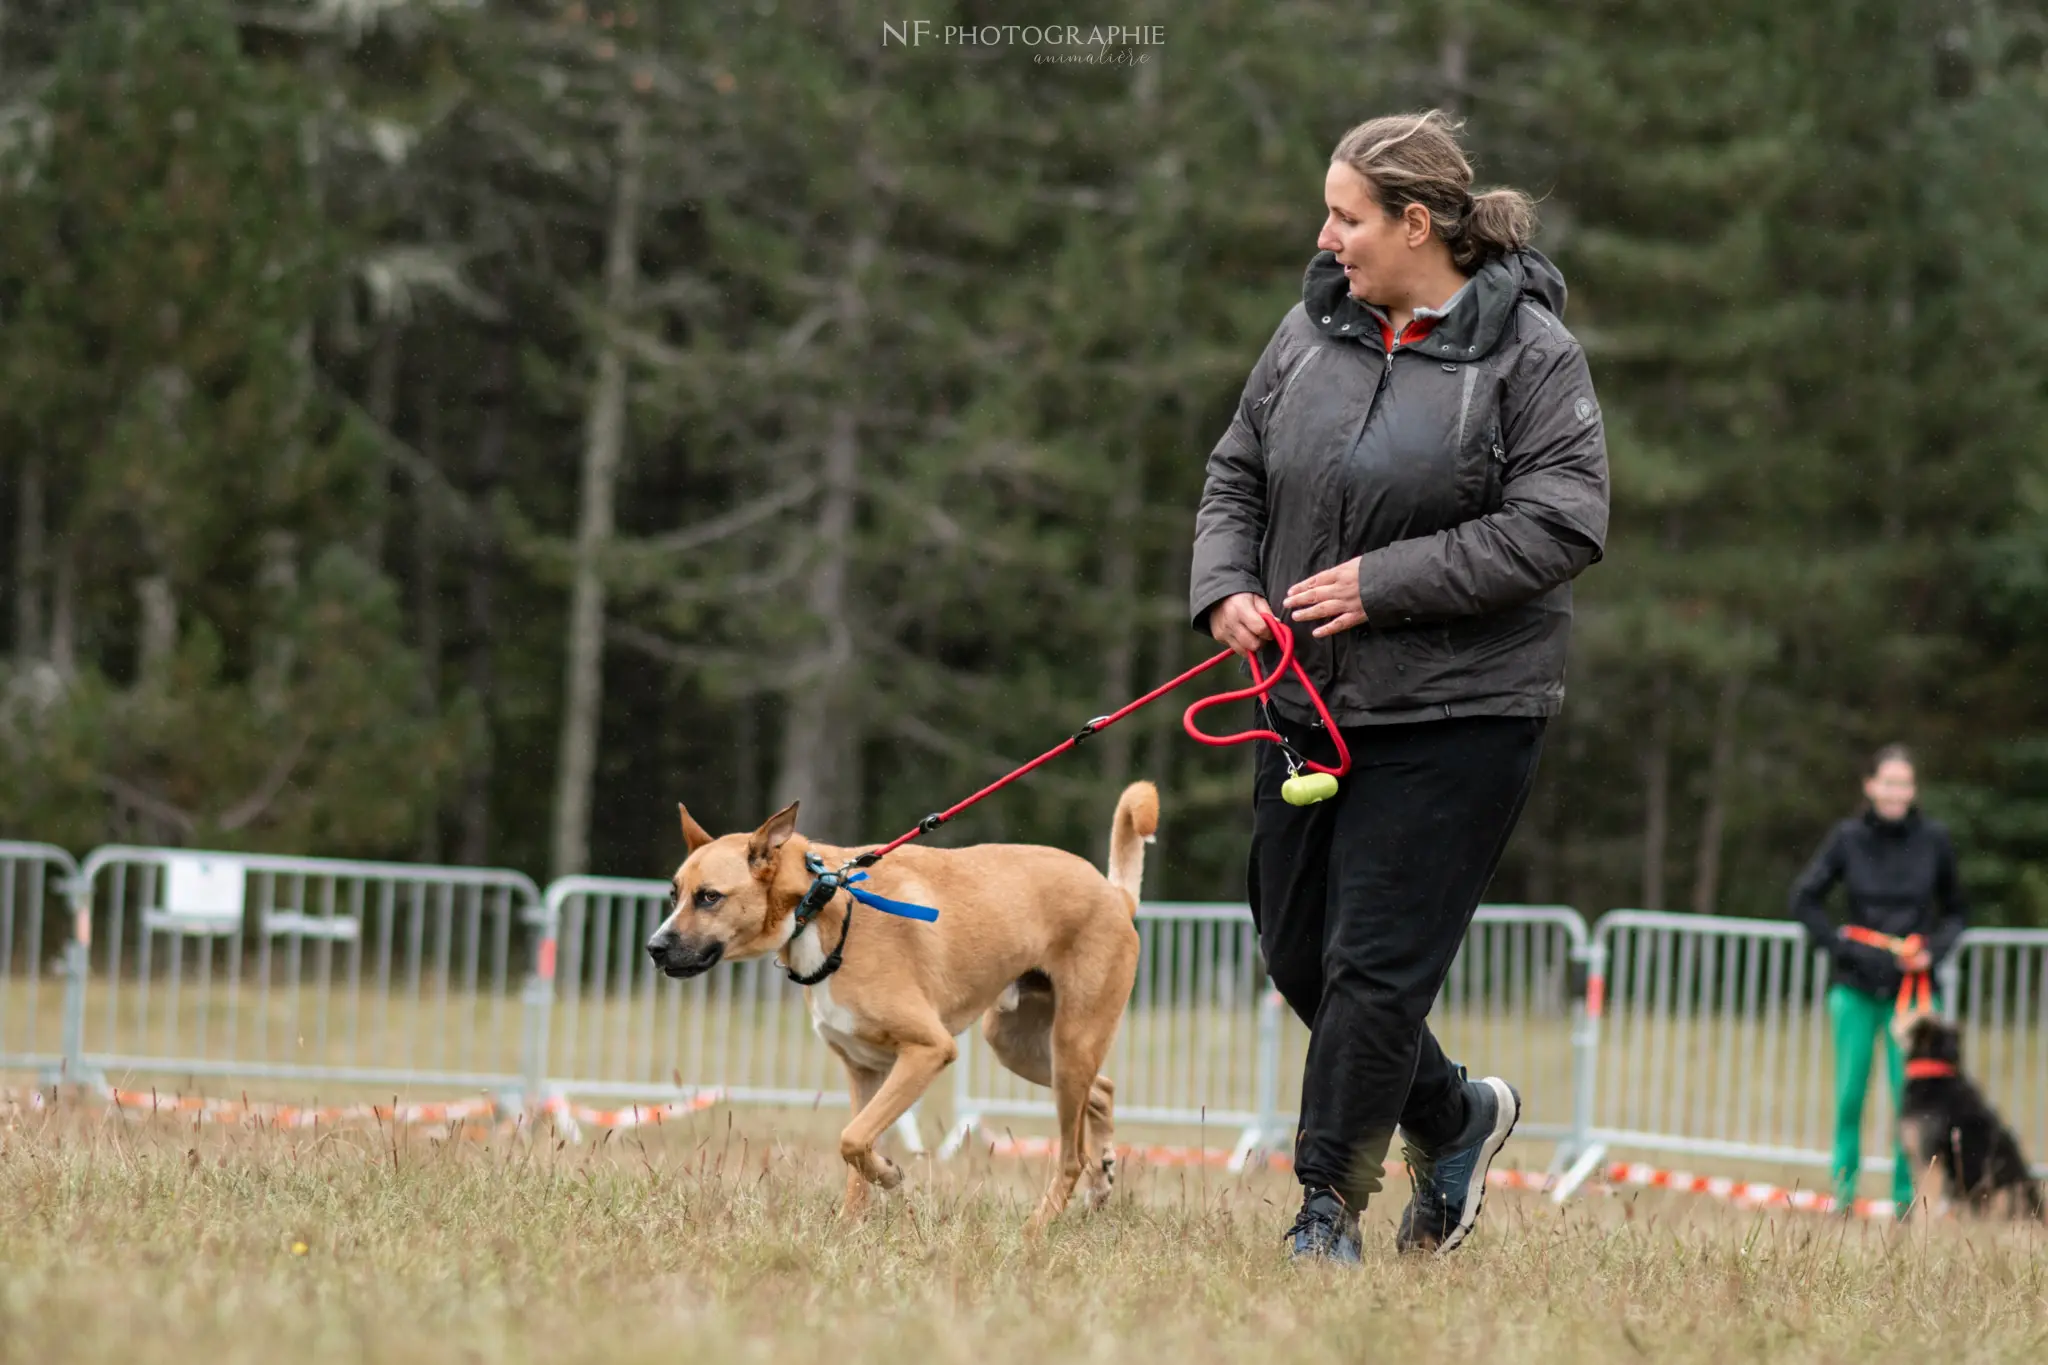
1450,1184
1324,1230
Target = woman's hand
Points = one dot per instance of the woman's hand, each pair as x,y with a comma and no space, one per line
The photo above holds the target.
1235,621
1920,961
1330,596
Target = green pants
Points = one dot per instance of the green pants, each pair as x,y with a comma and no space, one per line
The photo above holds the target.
1859,1020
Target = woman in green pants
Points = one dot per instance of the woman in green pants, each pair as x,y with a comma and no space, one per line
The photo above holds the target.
1899,870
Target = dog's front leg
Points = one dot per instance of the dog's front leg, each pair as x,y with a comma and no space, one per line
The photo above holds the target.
865,1085
917,1064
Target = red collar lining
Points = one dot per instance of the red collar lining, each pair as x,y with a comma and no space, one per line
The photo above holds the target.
1928,1069
1416,330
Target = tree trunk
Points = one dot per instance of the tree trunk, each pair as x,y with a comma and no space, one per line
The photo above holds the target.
477,595
426,575
821,736
1452,62
1657,792
746,783
278,582
158,639
64,611
380,401
603,439
1120,585
29,531
1540,887
820,739
1706,883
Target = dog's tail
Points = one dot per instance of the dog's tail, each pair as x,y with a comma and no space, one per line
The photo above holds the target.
1137,819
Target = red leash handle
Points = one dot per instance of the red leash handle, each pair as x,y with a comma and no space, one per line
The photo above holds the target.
1262,685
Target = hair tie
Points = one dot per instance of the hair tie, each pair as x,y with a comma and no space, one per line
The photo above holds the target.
1470,202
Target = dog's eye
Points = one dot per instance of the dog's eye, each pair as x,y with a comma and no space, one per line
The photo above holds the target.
706,898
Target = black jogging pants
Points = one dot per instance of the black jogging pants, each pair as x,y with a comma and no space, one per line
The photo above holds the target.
1361,902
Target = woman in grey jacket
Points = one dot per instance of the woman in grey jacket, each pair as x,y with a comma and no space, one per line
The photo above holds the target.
1416,471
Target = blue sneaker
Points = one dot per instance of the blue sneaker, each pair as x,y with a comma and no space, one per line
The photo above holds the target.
1450,1184
1324,1230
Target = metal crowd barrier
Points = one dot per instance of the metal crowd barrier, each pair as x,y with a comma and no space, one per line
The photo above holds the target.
1514,1006
1996,985
1660,1032
35,958
1198,1045
270,968
1713,1039
1192,1050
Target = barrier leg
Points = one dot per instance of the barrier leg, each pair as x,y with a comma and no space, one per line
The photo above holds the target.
538,1009
1588,1162
956,1138
77,967
1267,1078
1586,1016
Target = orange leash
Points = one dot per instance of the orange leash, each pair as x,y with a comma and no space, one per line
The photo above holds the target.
1916,989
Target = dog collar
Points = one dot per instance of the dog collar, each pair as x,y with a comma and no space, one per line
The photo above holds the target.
1928,1069
825,885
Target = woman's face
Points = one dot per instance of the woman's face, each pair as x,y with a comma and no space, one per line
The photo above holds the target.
1379,252
1890,789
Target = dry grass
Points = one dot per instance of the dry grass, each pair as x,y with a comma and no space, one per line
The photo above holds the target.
715,1240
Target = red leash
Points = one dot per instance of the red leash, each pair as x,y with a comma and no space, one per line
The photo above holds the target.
1916,989
1262,686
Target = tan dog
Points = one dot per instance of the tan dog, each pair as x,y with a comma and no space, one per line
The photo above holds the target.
1033,940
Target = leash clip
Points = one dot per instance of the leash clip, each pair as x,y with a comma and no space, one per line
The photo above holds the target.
824,885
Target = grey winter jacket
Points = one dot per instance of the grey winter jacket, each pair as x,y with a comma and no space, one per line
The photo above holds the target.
1467,470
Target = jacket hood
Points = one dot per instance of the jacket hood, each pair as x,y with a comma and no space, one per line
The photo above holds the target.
1477,320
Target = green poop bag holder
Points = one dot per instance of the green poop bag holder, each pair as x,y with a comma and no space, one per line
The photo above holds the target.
1307,781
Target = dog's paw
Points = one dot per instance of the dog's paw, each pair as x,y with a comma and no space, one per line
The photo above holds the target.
888,1174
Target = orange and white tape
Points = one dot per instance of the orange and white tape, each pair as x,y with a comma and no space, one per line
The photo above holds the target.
1743,1193
142,1104
149,1103
633,1116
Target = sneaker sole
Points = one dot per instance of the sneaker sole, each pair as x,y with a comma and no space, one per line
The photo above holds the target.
1475,1193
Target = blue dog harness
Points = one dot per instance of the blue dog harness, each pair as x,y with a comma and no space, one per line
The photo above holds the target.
824,885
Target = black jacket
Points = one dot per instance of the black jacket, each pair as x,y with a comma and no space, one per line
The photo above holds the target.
1467,469
1901,879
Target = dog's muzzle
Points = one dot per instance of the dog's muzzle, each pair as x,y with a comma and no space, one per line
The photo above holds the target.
681,959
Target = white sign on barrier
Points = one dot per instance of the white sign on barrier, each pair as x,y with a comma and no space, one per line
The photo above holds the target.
202,895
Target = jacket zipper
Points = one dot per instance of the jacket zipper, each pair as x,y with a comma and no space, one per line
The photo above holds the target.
1276,395
1340,643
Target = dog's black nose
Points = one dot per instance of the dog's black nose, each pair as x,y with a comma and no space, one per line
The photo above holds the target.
681,957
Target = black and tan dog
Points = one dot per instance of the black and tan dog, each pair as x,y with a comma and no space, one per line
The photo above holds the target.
1033,940
1961,1150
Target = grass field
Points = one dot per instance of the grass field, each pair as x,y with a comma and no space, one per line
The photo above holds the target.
715,1240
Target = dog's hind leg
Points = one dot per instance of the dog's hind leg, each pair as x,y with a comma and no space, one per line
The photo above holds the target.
1018,1029
1090,1000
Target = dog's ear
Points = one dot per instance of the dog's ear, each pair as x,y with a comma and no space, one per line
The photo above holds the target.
768,840
694,836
